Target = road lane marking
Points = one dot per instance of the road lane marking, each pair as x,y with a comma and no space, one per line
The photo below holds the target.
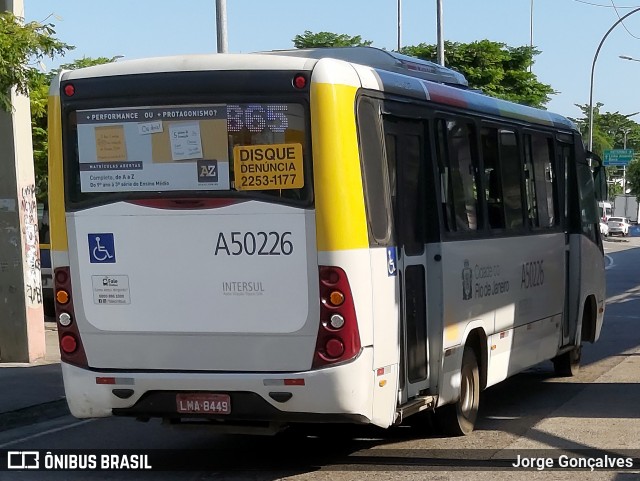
611,264
48,431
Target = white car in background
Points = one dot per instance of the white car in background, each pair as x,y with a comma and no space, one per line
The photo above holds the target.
604,229
618,225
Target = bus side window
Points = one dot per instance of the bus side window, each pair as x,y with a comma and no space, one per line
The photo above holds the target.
492,178
446,190
404,141
586,193
530,185
390,143
511,170
542,155
374,173
458,170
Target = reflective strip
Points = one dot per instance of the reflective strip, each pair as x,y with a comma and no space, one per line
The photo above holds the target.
284,382
126,381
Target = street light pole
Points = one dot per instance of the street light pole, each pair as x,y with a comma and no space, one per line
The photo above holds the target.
399,25
624,167
221,25
440,28
531,36
593,67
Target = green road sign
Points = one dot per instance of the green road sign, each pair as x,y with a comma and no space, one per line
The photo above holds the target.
618,156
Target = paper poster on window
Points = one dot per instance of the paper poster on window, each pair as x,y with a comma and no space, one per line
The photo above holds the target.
185,141
110,144
153,149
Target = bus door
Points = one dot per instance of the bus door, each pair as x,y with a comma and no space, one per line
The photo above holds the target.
405,147
584,256
572,262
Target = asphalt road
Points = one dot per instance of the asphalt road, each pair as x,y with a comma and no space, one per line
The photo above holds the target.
597,409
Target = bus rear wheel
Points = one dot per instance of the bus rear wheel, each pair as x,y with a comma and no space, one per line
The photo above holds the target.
459,419
568,364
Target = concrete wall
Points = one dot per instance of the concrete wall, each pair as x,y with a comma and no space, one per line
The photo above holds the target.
21,316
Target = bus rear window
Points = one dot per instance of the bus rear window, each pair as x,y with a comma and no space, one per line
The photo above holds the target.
193,149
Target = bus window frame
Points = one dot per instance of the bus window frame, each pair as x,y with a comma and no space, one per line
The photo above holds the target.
429,112
519,136
369,137
88,200
559,171
419,111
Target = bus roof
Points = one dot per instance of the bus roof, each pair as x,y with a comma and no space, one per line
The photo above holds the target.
384,60
404,75
395,73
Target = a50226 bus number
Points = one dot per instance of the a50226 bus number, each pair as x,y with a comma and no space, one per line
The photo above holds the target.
275,181
254,244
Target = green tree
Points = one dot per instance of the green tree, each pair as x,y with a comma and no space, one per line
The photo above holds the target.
39,94
21,43
602,134
633,177
609,132
38,97
492,67
327,39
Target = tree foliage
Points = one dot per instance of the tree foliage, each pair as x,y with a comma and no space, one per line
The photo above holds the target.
327,39
38,95
633,177
492,67
21,43
610,130
602,138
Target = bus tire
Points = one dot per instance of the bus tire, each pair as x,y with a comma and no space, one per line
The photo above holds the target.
459,419
568,364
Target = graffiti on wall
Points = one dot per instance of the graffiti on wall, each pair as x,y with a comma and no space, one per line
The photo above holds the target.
29,211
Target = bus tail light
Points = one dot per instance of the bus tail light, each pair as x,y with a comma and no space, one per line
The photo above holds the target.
68,344
62,297
338,335
300,81
71,349
69,90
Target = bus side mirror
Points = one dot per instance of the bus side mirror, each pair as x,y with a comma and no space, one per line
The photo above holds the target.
599,176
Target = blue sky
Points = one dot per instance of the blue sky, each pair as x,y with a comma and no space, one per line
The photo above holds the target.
566,31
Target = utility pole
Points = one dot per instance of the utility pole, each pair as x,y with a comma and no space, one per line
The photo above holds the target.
440,34
22,337
531,35
399,25
624,167
221,25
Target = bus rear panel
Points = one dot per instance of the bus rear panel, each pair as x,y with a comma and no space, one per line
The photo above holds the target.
189,259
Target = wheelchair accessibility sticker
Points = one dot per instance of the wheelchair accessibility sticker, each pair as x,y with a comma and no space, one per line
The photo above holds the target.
102,249
392,261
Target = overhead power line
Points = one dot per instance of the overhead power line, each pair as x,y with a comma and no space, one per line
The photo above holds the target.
619,18
604,6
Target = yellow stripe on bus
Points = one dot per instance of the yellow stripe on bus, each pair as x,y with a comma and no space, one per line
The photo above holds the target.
58,226
340,211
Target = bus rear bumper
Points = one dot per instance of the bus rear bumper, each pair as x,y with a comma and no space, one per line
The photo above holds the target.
335,394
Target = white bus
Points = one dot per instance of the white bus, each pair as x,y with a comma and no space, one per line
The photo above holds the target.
332,235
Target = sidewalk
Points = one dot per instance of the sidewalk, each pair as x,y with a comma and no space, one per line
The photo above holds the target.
31,392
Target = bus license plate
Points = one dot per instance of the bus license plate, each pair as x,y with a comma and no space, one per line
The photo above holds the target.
203,403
